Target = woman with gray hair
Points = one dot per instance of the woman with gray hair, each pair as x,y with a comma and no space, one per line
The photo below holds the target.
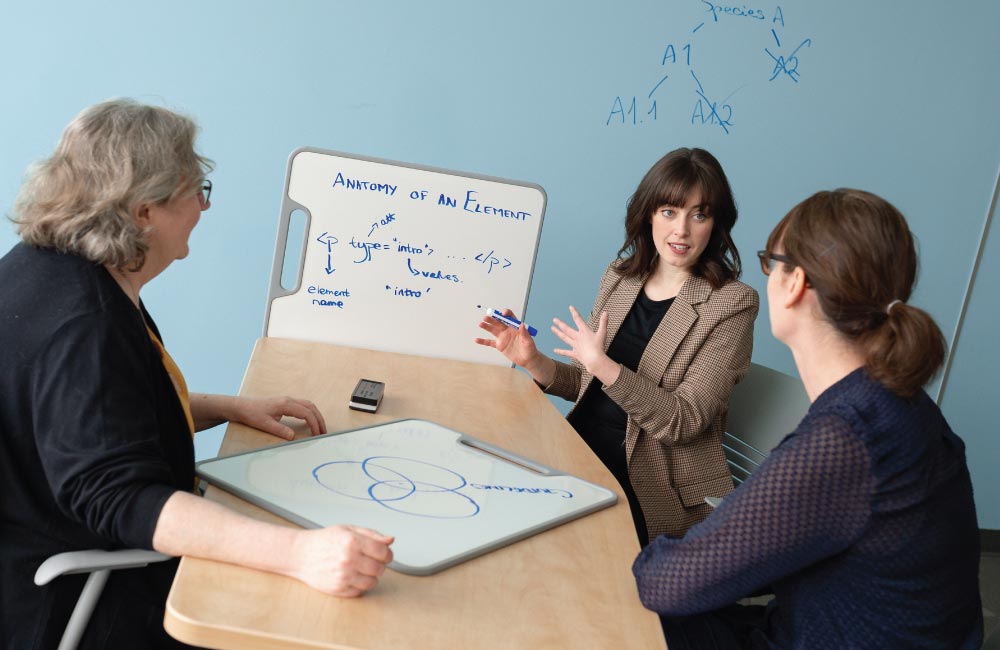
96,421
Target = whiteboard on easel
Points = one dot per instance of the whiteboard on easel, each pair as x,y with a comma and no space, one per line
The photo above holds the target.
402,258
445,497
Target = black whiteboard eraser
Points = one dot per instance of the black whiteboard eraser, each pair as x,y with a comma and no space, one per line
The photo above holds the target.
367,395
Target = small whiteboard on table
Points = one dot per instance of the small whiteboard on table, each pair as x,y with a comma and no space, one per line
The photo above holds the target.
446,497
402,258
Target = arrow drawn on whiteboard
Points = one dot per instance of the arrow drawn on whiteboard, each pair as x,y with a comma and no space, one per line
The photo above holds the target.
329,240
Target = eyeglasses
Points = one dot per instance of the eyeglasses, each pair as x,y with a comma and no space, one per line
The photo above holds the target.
767,261
205,193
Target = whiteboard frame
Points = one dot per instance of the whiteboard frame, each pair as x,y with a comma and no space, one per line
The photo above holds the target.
494,452
288,206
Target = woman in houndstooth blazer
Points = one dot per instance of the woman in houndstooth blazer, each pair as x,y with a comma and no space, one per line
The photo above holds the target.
669,336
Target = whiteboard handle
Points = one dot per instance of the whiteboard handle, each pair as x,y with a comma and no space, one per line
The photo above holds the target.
508,456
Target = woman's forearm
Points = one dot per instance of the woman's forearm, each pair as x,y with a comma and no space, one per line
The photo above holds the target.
337,560
542,369
191,525
209,410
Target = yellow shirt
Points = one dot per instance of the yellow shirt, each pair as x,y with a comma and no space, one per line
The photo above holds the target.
177,378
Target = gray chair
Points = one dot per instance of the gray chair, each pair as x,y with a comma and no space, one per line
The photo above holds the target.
99,564
765,407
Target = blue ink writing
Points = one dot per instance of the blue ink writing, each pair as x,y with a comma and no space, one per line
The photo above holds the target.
320,302
735,10
436,275
367,247
787,66
413,250
403,292
713,116
472,205
413,487
630,114
384,221
371,186
329,240
671,54
404,485
448,201
489,258
629,110
565,494
658,83
323,291
618,109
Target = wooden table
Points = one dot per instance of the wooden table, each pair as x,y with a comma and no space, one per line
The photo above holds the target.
569,587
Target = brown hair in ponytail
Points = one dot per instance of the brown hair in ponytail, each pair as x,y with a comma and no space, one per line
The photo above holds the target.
858,254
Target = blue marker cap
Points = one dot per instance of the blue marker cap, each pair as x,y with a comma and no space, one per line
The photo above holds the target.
509,321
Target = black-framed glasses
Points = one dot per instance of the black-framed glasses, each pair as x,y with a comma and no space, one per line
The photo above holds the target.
767,261
205,193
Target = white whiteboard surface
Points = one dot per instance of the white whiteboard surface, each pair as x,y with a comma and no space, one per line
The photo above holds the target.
446,497
402,258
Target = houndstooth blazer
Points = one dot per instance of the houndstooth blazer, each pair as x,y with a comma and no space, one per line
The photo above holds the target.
677,402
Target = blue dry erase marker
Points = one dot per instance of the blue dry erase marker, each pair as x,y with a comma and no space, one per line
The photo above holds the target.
509,321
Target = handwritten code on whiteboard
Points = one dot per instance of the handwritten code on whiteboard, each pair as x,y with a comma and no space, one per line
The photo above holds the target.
401,258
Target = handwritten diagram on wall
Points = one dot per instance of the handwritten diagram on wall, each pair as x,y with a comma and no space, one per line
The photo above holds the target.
402,258
775,48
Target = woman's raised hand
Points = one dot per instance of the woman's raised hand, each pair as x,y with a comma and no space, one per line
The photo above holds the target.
587,345
515,344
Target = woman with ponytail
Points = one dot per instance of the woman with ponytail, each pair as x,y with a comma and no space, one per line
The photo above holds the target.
862,520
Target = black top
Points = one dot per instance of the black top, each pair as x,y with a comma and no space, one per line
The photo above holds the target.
93,439
862,521
598,419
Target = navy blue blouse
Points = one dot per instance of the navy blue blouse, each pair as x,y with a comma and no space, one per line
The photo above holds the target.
861,521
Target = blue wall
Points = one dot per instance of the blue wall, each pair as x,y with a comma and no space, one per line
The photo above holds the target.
969,396
895,97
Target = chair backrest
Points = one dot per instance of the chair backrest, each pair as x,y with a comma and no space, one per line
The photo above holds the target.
765,407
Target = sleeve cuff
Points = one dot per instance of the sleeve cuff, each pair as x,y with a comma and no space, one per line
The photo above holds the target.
565,383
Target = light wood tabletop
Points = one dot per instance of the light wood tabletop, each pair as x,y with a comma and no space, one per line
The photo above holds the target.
568,587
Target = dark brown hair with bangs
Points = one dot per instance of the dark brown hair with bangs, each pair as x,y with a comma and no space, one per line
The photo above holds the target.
673,179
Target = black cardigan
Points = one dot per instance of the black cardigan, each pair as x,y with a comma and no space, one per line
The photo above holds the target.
93,440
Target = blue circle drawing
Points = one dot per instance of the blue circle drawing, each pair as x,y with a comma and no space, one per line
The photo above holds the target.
404,485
